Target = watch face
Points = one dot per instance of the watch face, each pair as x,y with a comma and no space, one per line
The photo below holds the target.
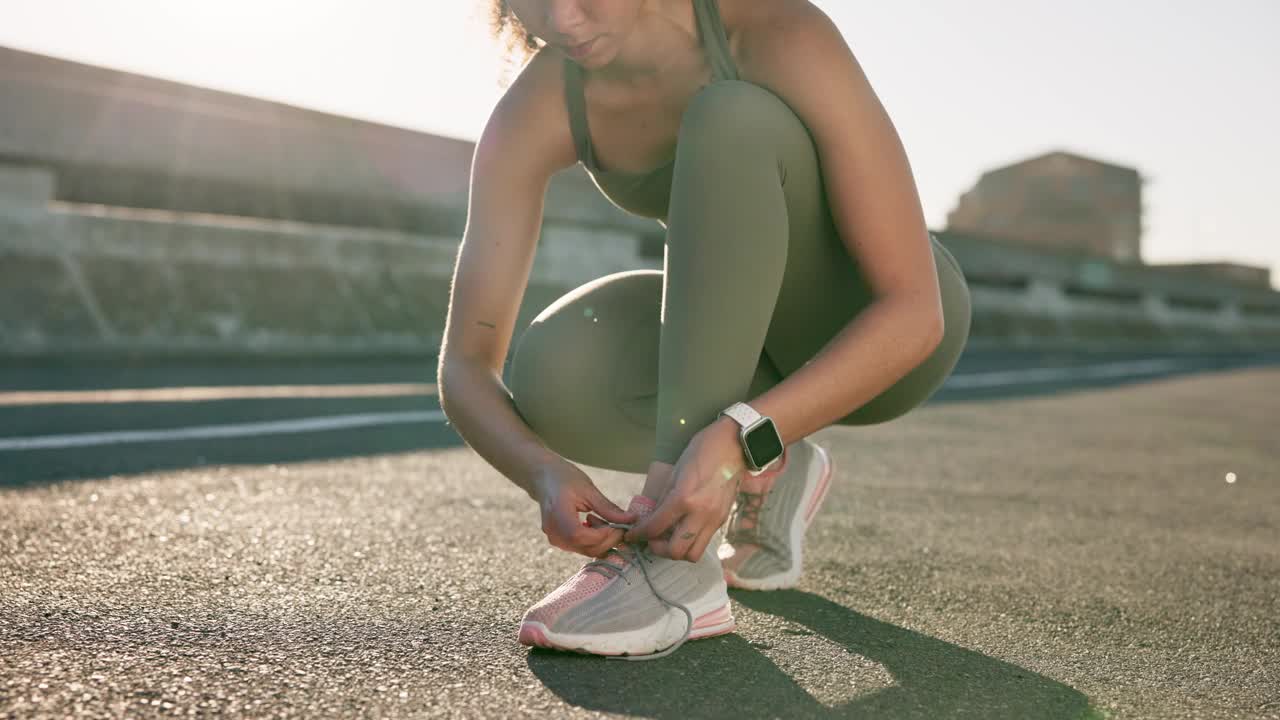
764,443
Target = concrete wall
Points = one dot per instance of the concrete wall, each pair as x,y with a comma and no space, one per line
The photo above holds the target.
1035,297
83,280
148,217
1255,276
93,279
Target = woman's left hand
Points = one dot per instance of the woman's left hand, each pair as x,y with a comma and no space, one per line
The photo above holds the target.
703,486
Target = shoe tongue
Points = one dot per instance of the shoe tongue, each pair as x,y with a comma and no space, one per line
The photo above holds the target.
641,506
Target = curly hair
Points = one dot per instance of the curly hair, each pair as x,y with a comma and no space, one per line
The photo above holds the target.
516,42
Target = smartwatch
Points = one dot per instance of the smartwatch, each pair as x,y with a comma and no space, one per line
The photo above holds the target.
760,439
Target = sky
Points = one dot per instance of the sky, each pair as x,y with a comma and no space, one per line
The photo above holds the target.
1182,90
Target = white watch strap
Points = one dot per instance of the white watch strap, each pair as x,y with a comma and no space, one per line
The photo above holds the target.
743,413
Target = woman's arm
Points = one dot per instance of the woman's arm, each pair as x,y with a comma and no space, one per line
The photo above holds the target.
524,142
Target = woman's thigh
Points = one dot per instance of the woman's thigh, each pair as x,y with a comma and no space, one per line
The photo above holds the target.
584,375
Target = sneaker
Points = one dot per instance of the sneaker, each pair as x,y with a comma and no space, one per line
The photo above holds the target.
632,603
763,548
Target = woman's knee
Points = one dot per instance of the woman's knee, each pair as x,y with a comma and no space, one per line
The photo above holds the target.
564,361
533,376
740,114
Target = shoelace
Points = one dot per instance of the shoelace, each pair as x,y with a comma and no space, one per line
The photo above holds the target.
637,557
749,507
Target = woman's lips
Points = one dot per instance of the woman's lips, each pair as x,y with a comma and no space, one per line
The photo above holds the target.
581,51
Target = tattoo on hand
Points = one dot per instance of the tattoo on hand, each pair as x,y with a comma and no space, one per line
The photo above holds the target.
687,536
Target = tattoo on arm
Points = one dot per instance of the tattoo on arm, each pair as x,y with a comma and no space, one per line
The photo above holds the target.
488,325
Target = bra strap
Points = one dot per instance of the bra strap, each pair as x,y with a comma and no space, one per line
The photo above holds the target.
711,26
576,104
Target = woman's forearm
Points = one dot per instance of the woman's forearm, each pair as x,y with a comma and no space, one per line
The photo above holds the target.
482,412
879,346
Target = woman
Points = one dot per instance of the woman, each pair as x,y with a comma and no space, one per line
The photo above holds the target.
800,284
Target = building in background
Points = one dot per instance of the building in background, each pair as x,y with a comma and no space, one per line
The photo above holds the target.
1059,201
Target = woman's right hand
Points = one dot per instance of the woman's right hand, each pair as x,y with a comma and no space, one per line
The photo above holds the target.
564,491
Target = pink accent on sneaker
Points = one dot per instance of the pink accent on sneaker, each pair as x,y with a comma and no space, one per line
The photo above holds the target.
641,505
533,635
586,583
717,622
821,491
719,616
575,590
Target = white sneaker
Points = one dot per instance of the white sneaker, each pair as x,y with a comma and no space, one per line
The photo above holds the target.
763,548
633,603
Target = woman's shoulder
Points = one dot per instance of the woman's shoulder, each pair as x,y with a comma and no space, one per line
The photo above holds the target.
538,86
532,111
752,27
752,17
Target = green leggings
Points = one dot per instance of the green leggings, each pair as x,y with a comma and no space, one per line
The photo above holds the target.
756,282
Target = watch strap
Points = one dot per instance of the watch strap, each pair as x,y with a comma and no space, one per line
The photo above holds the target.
745,415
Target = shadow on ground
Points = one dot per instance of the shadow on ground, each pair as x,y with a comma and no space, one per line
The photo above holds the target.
724,677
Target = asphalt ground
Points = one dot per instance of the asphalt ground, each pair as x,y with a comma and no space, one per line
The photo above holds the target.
1100,543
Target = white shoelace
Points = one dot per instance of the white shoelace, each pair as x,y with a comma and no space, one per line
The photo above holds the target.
637,557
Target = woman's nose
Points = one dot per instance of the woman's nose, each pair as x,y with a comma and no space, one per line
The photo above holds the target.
564,18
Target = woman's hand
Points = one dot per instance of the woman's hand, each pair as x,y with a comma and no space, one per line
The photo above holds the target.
563,491
704,483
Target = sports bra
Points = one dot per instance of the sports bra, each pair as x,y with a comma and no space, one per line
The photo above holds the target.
646,194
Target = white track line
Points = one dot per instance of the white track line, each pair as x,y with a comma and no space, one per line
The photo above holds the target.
207,394
274,427
337,422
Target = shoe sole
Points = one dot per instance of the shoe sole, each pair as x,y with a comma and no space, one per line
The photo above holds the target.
712,616
815,493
